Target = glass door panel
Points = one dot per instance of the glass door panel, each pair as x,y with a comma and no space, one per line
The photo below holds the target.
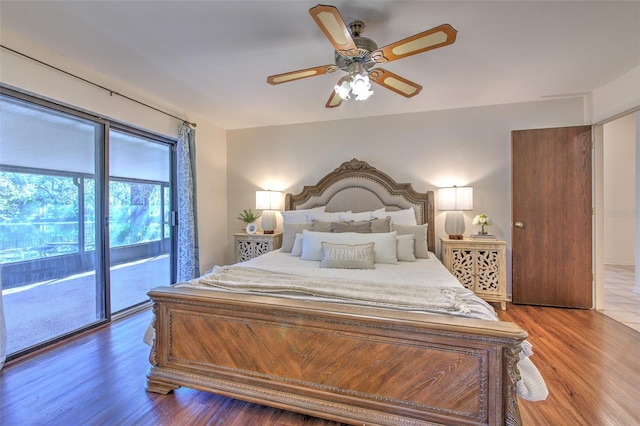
139,176
48,229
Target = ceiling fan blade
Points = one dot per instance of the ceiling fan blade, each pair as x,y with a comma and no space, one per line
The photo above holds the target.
297,75
434,38
394,82
330,22
335,100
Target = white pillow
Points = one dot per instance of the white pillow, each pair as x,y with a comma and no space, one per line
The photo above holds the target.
298,216
405,248
325,216
297,246
419,232
385,250
346,217
289,232
400,217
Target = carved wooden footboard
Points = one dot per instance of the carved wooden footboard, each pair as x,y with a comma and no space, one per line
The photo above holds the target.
352,364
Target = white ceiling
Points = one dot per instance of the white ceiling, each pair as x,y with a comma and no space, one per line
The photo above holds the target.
211,58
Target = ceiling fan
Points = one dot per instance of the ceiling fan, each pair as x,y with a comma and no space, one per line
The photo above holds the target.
358,56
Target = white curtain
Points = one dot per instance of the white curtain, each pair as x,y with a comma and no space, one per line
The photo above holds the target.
3,331
187,230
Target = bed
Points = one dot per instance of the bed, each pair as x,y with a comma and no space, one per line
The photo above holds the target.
326,353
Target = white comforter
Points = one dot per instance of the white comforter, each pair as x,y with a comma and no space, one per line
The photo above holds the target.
425,285
409,279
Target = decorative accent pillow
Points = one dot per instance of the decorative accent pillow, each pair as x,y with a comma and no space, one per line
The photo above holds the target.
405,248
289,231
346,256
320,226
360,227
385,244
421,250
377,225
296,250
381,225
299,216
361,216
401,217
325,216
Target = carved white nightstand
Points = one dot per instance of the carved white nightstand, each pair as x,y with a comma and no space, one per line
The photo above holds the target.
249,246
479,265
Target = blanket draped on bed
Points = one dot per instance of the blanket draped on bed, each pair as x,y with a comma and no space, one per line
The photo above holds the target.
397,296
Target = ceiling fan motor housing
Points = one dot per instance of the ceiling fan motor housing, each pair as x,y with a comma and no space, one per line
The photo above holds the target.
365,47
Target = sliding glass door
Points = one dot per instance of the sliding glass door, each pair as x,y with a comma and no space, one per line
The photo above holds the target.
139,199
84,219
48,227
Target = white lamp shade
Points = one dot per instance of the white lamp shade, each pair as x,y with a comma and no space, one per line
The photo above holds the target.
455,198
268,200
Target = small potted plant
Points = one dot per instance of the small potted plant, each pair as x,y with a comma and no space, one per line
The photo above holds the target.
482,220
250,218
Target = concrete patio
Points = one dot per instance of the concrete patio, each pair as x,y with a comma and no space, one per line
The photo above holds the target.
42,311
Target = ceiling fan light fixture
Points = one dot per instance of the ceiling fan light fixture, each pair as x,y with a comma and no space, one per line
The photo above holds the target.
343,90
360,86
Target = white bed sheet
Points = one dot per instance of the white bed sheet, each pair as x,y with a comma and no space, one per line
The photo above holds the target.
428,272
423,272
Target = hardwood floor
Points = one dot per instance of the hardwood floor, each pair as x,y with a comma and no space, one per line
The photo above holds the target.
590,363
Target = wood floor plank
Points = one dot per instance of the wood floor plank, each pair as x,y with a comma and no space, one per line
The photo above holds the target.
589,361
590,364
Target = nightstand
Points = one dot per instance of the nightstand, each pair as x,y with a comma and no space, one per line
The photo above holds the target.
249,246
479,265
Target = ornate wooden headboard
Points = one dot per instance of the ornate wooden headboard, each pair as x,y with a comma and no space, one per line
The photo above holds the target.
357,186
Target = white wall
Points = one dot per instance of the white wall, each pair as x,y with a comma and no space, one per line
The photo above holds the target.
211,177
464,147
636,288
26,75
616,97
620,190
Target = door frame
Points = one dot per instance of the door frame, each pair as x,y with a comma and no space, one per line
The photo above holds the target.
597,132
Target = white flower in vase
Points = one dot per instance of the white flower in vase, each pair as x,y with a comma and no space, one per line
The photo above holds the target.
483,221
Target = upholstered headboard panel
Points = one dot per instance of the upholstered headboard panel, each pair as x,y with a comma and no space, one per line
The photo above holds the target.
357,186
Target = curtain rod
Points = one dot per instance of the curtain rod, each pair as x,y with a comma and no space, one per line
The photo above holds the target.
111,92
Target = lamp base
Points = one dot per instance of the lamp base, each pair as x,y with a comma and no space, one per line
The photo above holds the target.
454,225
268,221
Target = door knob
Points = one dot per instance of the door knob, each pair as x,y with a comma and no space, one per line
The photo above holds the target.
519,225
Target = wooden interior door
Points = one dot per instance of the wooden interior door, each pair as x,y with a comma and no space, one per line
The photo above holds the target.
552,217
